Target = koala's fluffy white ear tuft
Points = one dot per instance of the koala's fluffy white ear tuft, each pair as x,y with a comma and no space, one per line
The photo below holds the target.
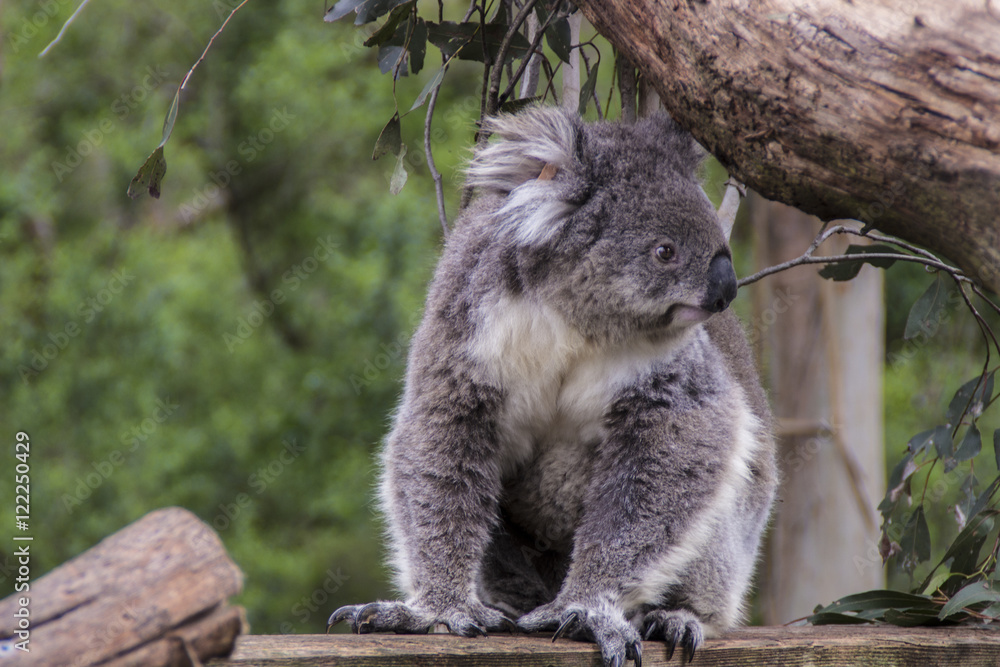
528,141
533,163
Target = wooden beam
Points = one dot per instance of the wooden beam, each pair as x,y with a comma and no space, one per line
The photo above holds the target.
825,646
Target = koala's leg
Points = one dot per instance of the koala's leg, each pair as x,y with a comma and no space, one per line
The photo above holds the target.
439,492
663,475
710,595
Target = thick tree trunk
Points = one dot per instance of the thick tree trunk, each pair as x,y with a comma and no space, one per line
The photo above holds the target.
887,111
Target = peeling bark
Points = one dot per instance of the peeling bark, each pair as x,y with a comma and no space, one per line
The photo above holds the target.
886,111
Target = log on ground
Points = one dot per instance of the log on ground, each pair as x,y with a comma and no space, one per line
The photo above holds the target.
154,593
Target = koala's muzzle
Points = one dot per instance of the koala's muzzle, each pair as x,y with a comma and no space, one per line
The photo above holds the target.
721,285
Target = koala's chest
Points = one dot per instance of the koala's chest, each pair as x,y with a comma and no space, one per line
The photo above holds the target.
556,385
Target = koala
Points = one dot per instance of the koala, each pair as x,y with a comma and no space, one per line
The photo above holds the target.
583,444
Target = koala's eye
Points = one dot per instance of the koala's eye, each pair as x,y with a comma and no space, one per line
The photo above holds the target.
665,252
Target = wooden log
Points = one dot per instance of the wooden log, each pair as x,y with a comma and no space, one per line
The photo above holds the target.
154,593
826,646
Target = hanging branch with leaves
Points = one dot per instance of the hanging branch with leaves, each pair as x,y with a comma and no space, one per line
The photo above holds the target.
153,170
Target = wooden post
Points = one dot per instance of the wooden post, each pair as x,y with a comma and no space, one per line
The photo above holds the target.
823,350
152,594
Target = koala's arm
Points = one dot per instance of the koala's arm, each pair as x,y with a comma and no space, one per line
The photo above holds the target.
439,493
667,464
644,516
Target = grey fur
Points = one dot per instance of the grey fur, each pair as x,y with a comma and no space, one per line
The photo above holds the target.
583,442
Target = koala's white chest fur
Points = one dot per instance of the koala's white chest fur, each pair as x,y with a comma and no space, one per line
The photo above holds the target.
557,384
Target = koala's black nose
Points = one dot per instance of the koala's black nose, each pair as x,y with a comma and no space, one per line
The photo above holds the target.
721,285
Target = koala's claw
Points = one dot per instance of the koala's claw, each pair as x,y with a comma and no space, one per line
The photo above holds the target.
381,617
474,620
606,626
677,628
561,630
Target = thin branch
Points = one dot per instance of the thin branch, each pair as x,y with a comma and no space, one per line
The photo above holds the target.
209,45
524,63
435,174
62,30
491,100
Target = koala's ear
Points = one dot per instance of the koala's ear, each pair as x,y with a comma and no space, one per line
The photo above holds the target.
678,142
534,162
528,141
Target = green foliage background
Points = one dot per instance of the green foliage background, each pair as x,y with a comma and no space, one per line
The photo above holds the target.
246,359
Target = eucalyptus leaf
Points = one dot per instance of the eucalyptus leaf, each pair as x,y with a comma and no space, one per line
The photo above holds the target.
916,539
418,46
342,9
390,140
984,499
399,173
847,270
389,57
375,9
973,594
943,443
965,541
996,447
909,618
559,38
428,87
967,547
936,581
880,599
925,314
834,618
171,117
149,175
388,29
920,442
970,400
465,40
971,445
587,90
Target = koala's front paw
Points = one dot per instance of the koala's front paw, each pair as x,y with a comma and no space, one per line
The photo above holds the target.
468,620
603,624
677,627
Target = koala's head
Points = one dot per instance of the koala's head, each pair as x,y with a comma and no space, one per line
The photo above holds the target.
606,222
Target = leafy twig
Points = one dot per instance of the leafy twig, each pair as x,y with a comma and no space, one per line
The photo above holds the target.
435,174
808,258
